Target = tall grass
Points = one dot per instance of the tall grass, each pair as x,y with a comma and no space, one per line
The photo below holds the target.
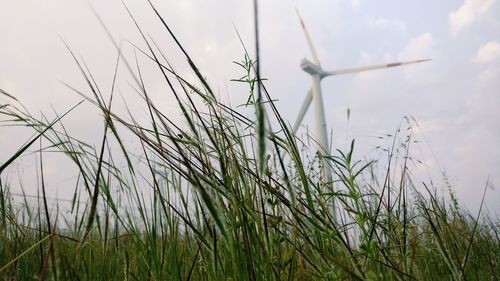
196,203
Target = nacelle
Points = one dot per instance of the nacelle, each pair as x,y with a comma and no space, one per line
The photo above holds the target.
311,68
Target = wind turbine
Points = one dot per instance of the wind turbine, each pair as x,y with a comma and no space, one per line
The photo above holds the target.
317,74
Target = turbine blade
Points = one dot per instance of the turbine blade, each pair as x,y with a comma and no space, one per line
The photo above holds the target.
370,67
303,110
308,38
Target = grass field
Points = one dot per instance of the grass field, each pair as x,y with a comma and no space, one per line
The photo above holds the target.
222,196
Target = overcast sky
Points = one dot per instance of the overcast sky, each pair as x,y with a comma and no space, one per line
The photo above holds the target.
455,98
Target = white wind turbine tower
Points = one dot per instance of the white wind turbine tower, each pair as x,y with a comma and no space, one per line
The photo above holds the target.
317,73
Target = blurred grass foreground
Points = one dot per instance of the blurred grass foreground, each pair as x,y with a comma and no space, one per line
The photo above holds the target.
213,194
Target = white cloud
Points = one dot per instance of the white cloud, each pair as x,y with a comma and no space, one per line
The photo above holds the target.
355,3
382,23
489,74
488,52
470,12
419,47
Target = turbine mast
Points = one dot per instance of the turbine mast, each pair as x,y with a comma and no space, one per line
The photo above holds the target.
320,120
